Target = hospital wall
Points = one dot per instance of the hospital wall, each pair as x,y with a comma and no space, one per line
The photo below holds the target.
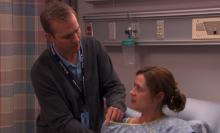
195,67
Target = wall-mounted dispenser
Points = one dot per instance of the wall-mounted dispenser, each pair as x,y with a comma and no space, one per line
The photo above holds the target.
128,47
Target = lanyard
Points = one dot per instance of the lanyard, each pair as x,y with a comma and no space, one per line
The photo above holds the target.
68,73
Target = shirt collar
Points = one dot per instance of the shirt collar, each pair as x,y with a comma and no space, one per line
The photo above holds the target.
67,63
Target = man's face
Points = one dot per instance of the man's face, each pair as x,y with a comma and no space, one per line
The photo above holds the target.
67,35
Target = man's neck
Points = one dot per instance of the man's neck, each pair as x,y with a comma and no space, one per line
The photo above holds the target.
72,57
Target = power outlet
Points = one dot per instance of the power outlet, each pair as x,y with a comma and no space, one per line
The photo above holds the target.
160,29
135,30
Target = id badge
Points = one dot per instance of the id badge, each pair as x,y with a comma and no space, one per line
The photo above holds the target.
85,119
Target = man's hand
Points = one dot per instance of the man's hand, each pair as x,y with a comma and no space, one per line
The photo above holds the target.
114,114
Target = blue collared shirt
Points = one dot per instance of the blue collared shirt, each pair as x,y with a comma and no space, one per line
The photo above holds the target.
75,69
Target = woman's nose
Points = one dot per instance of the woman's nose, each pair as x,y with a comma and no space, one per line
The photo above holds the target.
132,91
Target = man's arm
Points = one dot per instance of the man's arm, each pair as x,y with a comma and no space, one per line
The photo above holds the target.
53,107
113,89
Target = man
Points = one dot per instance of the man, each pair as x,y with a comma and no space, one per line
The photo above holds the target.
71,77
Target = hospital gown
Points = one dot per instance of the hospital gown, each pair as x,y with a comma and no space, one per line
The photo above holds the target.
165,124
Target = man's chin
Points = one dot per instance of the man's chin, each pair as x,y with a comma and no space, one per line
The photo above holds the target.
75,48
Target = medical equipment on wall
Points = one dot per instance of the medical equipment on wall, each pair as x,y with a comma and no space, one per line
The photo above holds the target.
128,46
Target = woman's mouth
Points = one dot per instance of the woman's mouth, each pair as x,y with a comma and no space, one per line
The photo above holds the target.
132,101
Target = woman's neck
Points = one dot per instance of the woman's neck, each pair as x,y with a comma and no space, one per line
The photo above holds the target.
148,117
151,117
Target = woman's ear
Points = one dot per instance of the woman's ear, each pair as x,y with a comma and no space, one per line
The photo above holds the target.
160,97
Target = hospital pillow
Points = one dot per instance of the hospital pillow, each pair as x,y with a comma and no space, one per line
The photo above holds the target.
199,126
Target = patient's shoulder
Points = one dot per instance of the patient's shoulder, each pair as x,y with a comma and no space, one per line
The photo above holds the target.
126,120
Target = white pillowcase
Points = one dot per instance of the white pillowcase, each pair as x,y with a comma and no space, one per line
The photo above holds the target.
199,126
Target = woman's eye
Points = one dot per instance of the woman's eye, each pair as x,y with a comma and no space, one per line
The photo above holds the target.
139,89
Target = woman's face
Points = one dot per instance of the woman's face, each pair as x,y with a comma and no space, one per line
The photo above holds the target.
140,95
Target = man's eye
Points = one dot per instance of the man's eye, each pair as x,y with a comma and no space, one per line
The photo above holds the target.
77,30
66,36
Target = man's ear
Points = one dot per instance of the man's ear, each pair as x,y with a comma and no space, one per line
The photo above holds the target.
160,97
49,37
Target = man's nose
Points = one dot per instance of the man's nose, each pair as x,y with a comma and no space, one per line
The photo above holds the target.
75,38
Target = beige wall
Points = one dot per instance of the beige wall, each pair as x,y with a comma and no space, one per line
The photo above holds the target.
196,68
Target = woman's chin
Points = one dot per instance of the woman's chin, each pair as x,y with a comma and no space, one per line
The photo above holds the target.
134,107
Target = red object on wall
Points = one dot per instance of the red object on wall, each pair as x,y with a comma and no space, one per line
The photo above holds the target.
89,28
89,33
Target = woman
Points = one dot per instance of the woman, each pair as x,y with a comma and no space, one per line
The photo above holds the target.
154,88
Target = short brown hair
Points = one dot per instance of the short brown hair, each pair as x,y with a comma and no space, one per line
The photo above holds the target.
54,11
160,79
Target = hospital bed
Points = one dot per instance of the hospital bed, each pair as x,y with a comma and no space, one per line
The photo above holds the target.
203,116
